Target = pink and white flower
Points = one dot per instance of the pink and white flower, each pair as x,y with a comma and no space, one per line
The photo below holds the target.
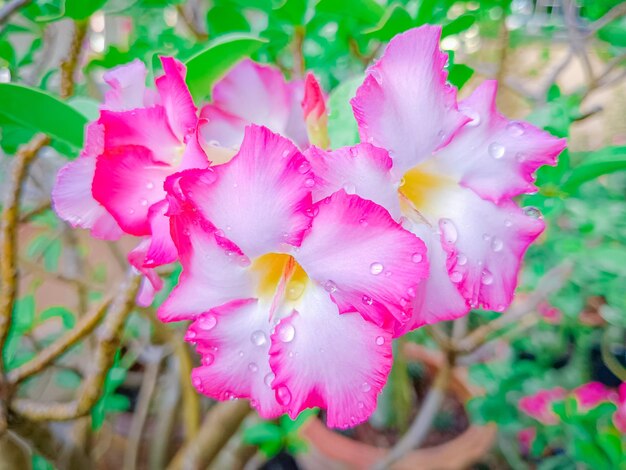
591,394
116,185
290,299
448,172
539,405
252,93
619,417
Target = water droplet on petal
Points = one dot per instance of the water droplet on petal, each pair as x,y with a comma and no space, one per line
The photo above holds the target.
330,286
131,211
349,188
380,340
363,222
295,289
411,292
312,211
361,405
507,223
258,338
486,278
473,115
207,359
367,300
283,395
286,153
456,277
214,143
207,322
520,157
252,367
515,129
486,237
286,332
496,244
304,167
532,212
496,150
366,387
309,182
417,258
190,335
461,259
240,353
269,378
149,185
376,268
197,382
448,229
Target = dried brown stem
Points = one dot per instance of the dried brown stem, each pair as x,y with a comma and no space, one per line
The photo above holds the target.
222,421
68,66
34,212
47,355
191,24
107,344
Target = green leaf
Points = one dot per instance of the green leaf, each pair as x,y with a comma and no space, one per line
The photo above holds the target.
458,25
365,11
291,11
290,426
42,112
342,127
64,314
267,436
395,20
43,11
222,19
208,66
24,314
82,9
602,162
459,74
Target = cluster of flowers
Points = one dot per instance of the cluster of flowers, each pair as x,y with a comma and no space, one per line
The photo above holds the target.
587,397
301,264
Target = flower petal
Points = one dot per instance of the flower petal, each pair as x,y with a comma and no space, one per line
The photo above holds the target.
71,195
214,272
176,99
259,198
255,94
127,181
128,87
337,362
362,169
221,129
368,262
438,298
485,244
494,156
147,127
404,104
234,343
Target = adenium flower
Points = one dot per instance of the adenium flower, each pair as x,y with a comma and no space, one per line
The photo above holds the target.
252,93
591,394
619,417
448,172
290,299
539,405
116,185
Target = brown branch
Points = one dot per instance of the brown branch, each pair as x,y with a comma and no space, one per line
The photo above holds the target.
34,212
551,282
108,341
191,24
11,7
47,355
299,68
8,233
612,14
68,66
220,424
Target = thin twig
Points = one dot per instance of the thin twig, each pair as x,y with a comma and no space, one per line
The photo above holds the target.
191,24
221,422
85,326
91,388
11,7
34,212
552,281
299,67
422,423
142,409
612,14
68,66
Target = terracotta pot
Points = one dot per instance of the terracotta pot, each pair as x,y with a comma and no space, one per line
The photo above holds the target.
457,454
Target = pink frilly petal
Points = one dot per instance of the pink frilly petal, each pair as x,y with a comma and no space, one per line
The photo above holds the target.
127,87
261,199
494,156
337,362
619,417
234,342
404,104
180,109
366,261
254,94
539,405
591,394
363,169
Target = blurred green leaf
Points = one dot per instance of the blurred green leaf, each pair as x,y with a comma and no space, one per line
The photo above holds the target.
395,20
267,436
208,66
43,11
64,314
42,112
366,11
458,25
291,11
82,9
222,19
459,74
598,163
342,126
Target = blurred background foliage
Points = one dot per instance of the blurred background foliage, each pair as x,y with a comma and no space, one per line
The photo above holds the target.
560,64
